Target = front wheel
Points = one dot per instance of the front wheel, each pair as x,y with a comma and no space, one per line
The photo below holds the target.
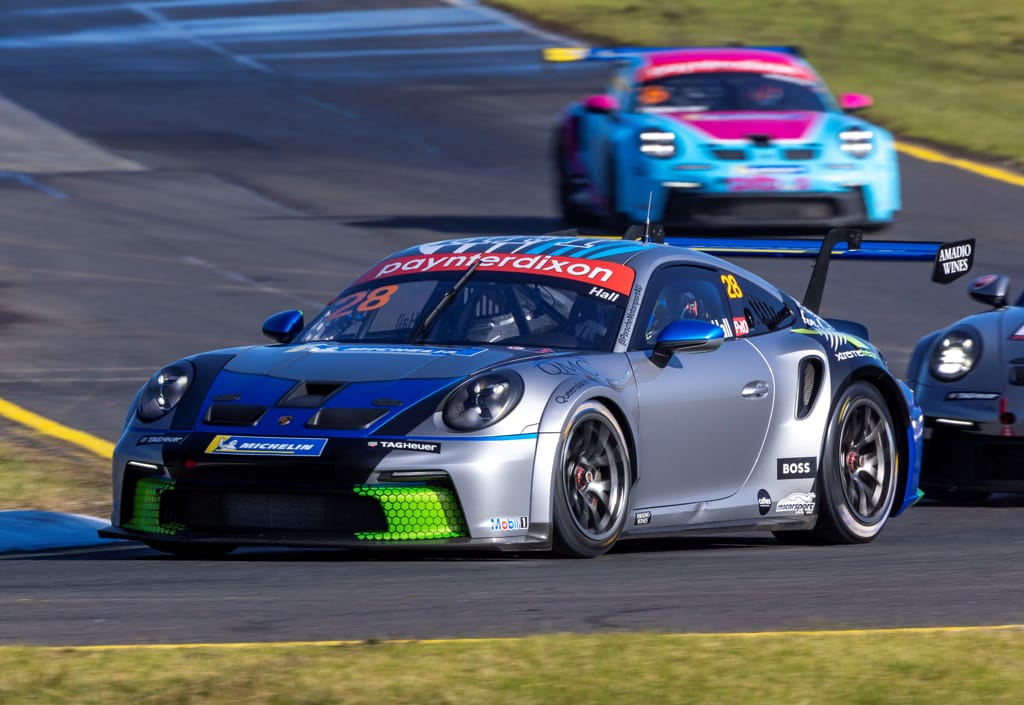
593,478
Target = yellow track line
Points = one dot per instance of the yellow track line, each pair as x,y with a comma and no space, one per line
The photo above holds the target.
43,425
990,172
498,640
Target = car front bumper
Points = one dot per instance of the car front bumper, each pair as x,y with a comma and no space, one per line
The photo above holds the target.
471,493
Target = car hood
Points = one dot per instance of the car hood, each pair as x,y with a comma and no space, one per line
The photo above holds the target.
785,125
355,388
361,362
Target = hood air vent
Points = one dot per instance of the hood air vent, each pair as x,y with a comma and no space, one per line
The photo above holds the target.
234,414
310,395
345,419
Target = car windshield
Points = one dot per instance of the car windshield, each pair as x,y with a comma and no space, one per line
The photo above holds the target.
728,91
489,308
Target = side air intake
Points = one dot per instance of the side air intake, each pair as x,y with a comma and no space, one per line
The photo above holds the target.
810,383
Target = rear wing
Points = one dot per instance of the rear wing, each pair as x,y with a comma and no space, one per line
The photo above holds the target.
567,54
951,260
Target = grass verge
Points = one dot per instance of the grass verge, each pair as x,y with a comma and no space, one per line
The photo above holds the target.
941,72
860,668
44,474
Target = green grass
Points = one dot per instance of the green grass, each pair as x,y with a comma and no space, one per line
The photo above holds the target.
611,669
45,474
941,71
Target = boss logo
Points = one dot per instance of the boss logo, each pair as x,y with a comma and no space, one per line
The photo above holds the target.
796,468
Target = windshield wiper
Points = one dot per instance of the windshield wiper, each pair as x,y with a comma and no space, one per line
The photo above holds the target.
449,295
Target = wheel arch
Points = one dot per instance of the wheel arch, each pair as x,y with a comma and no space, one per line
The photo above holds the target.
627,430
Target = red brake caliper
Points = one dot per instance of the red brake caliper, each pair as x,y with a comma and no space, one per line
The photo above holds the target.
852,461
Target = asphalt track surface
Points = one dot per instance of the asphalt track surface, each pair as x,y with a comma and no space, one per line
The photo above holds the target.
173,172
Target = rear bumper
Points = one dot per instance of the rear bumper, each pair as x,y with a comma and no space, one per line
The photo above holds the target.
686,208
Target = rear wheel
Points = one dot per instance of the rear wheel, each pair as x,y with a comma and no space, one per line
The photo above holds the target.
857,483
592,483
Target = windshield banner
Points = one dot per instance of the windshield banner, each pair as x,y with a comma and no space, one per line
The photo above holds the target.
608,275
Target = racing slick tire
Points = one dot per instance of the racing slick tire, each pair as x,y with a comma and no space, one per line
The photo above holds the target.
857,482
193,551
593,478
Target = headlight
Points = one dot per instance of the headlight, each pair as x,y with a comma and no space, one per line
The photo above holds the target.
857,141
955,355
482,401
658,143
165,389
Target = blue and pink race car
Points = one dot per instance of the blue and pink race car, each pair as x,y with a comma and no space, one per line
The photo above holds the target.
725,137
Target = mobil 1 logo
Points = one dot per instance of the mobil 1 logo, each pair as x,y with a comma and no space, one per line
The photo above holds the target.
796,468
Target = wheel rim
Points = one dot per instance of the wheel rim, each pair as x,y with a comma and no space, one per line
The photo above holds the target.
866,461
594,470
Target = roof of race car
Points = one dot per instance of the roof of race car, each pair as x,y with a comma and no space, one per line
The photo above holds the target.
675,62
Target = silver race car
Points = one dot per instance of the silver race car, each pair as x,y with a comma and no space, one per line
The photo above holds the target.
969,379
525,393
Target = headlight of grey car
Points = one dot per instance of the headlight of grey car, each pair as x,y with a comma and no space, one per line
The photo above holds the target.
165,389
955,355
482,401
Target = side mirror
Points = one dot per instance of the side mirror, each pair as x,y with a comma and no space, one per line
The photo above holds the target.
852,102
991,289
687,336
284,326
603,104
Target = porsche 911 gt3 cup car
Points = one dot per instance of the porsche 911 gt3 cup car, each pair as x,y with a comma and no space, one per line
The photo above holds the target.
523,393
721,137
969,379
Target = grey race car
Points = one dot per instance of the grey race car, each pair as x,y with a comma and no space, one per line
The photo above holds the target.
969,380
524,393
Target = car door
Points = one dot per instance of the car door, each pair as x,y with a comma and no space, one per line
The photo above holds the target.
703,417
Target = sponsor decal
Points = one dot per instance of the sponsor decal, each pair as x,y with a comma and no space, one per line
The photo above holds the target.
970,396
265,445
764,502
796,503
776,68
1018,334
795,468
599,293
284,420
767,183
567,367
723,324
389,349
741,326
749,169
163,439
836,340
610,275
509,523
421,446
642,518
569,393
953,260
630,318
